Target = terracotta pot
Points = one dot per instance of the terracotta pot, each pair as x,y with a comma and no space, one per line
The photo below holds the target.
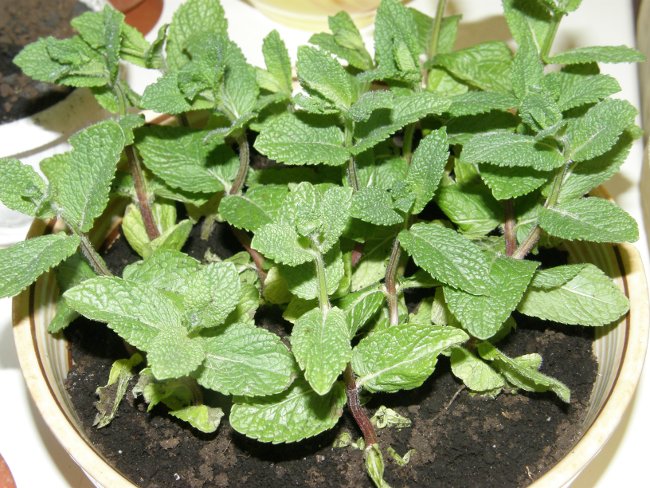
141,14
620,349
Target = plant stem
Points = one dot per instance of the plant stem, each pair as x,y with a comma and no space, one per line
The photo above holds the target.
245,240
509,227
323,298
244,163
94,259
407,147
390,281
432,48
353,179
357,410
534,235
550,35
141,194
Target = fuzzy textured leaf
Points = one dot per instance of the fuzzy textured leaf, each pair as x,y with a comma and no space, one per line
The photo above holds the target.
260,205
320,72
426,168
22,189
282,243
598,54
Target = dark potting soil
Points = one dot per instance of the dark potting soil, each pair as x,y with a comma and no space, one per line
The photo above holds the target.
459,439
21,23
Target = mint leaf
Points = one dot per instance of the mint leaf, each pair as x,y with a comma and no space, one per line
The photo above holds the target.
555,277
260,205
345,41
575,89
361,306
293,139
172,354
164,216
512,182
239,91
211,295
401,357
179,157
278,65
302,281
427,166
598,54
290,416
22,263
69,273
474,373
511,150
246,360
282,243
320,341
598,130
372,265
590,298
111,395
589,219
164,269
370,101
201,417
80,180
485,66
522,374
135,311
482,316
395,29
527,71
173,238
191,18
103,31
528,21
22,189
334,214
479,102
375,206
447,256
165,96
319,72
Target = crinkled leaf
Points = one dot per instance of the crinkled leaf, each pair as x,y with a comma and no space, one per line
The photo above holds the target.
69,273
360,307
303,282
598,54
239,91
164,216
246,360
375,206
426,168
172,354
598,130
575,90
528,21
447,256
319,72
394,26
482,316
512,150
478,102
550,278
201,417
22,189
512,182
401,357
386,417
165,96
589,298
282,243
80,180
476,374
370,101
589,219
278,64
173,238
293,139
22,263
260,205
320,341
289,416
164,269
372,265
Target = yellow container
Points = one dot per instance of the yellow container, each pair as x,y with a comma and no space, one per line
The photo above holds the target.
311,15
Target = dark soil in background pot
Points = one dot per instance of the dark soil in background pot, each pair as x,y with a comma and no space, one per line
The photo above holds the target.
459,439
22,22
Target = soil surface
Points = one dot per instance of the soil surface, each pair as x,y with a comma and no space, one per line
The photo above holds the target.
459,439
21,23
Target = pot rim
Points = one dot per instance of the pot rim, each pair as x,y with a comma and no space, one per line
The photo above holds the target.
637,323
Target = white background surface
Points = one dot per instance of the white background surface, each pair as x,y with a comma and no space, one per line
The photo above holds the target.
37,460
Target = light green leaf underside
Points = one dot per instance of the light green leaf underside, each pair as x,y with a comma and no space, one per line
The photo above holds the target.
476,374
201,417
164,269
598,54
259,206
21,188
375,206
302,281
290,416
282,243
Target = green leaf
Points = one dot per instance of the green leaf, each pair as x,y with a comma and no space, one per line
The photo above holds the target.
246,360
360,307
485,66
547,279
512,182
80,180
479,102
372,266
181,159
394,26
374,462
137,50
303,282
575,89
598,130
175,393
320,341
164,216
334,210
521,374
173,238
386,417
370,101
172,354
473,372
598,54
511,150
165,270
103,31
447,256
528,21
345,41
427,166
446,37
319,72
290,416
282,243
375,206
527,71
278,64
22,189
111,395
165,96
260,205
191,18
590,298
563,6
211,295
401,357
482,316
239,91
201,417
300,140
589,219
136,311
22,263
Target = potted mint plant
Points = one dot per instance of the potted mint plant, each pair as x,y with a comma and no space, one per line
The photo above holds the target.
393,211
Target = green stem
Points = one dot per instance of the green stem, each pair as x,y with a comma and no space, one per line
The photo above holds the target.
353,178
96,262
244,163
323,298
407,147
550,35
432,49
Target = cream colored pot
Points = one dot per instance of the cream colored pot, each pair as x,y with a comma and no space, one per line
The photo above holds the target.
620,349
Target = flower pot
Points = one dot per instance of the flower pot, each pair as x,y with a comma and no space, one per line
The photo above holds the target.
620,349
